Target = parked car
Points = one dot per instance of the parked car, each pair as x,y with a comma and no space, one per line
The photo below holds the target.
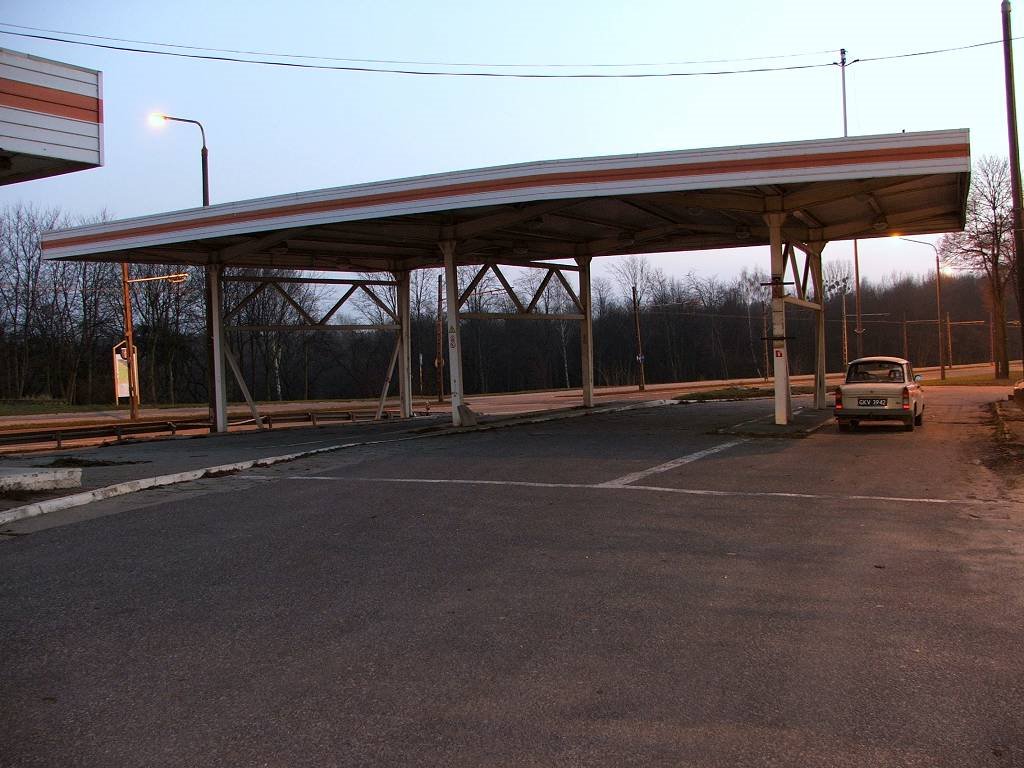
879,388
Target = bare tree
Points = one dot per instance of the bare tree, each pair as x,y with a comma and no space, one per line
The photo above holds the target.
635,271
986,244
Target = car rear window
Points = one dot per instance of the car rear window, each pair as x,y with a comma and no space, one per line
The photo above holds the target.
875,371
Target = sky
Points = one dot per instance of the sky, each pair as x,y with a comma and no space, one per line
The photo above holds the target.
276,130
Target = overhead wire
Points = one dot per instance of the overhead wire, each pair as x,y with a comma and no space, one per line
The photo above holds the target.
478,73
420,63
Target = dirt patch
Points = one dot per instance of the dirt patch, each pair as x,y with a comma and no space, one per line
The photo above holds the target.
1006,456
73,461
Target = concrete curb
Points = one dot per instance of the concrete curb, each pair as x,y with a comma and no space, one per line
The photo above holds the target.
145,483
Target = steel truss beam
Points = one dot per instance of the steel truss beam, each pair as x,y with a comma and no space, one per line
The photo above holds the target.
524,312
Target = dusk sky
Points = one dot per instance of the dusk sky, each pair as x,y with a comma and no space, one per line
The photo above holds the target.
274,130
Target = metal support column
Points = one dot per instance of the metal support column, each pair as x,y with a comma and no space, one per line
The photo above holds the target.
405,342
780,356
816,249
451,281
586,334
219,398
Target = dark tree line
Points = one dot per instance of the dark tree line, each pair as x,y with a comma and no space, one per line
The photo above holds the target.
59,321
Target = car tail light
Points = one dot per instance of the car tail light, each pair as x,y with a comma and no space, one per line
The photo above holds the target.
839,399
906,398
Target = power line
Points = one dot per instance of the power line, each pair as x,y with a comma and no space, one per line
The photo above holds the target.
430,73
413,62
509,75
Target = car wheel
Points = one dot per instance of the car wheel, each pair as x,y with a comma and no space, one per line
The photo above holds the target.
908,425
919,419
844,426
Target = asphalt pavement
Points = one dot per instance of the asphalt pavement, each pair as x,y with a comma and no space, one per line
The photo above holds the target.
648,587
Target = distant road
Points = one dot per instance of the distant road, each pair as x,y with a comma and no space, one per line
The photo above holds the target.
489,404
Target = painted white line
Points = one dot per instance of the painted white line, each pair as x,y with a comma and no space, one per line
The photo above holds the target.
141,484
650,489
669,465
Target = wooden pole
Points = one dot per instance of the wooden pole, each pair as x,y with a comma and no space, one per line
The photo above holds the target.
641,379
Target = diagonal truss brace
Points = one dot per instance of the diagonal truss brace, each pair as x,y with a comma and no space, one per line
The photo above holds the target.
523,311
309,322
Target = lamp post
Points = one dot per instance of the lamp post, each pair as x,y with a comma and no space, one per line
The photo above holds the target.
158,119
129,331
938,298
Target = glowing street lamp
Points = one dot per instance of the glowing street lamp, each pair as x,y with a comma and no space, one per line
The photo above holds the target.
157,120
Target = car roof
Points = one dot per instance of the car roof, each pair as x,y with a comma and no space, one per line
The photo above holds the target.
880,359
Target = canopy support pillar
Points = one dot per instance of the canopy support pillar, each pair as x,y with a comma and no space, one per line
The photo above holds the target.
405,342
219,396
780,355
461,415
586,334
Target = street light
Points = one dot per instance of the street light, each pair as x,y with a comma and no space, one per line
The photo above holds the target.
938,297
158,119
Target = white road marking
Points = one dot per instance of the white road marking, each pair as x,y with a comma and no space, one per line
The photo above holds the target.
308,442
650,489
618,482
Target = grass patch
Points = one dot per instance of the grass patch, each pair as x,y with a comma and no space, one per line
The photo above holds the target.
38,407
981,380
737,393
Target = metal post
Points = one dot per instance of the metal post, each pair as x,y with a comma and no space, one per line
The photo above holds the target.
859,330
949,340
405,339
1015,183
938,313
451,280
992,339
439,360
586,334
641,379
846,347
842,71
819,357
906,346
219,399
783,399
129,335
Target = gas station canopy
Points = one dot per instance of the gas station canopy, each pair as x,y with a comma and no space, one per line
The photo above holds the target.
831,189
557,216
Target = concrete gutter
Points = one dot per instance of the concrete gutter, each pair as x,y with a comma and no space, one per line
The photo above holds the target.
142,484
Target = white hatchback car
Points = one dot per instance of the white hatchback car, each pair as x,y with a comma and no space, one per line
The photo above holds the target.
879,388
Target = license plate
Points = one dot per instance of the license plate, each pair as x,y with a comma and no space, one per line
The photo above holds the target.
872,402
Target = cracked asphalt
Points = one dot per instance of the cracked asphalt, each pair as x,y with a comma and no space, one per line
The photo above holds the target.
514,598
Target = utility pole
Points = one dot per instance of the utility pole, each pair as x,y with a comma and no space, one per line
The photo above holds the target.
846,335
439,360
859,330
906,347
949,340
642,384
1011,125
991,338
